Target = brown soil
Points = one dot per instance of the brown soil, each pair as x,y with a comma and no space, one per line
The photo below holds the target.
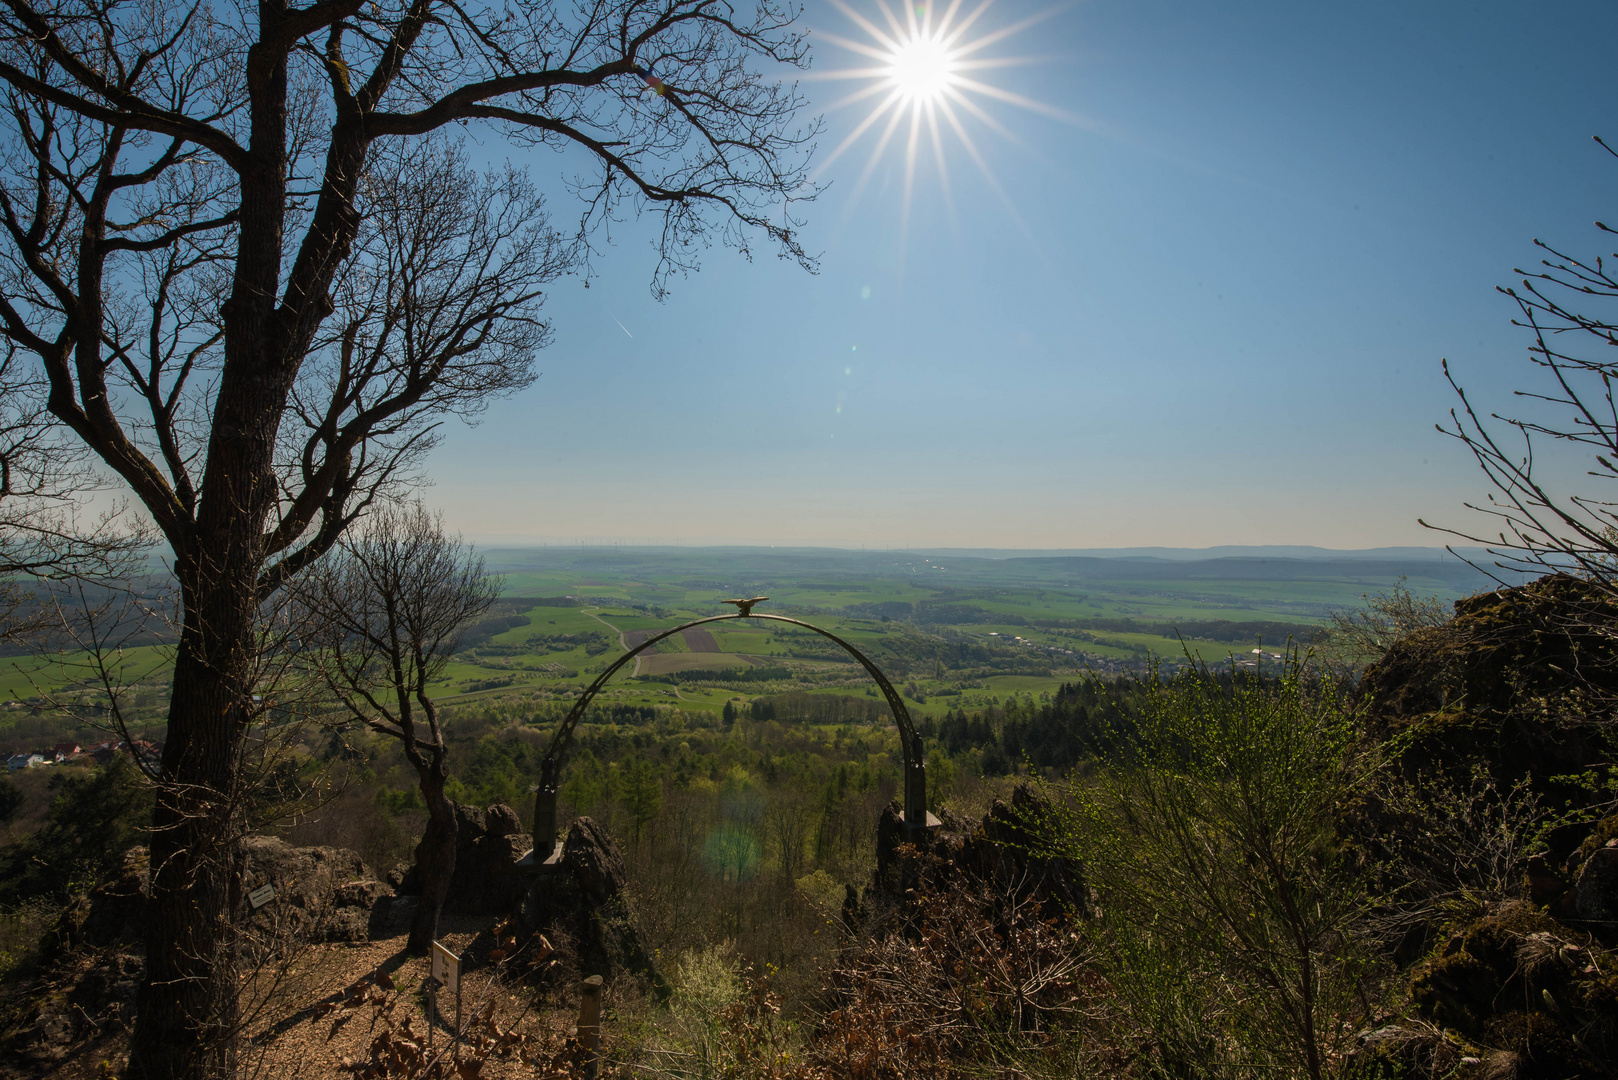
339,1002
699,641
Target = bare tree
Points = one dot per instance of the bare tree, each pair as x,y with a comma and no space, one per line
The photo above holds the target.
189,200
46,531
1539,523
387,608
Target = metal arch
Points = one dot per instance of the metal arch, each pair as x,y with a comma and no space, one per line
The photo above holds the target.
915,803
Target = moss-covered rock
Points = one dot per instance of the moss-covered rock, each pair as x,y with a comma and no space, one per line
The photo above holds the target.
1522,680
1541,995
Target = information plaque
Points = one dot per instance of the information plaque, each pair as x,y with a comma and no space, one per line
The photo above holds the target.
446,969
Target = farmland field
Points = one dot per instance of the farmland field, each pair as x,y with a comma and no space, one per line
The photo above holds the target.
951,629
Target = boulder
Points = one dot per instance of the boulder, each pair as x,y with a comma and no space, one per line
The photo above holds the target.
487,881
579,901
322,893
489,844
592,858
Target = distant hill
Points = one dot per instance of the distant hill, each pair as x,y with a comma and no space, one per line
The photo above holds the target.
1459,575
515,551
1227,551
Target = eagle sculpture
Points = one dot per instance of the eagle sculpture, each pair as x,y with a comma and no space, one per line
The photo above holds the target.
745,606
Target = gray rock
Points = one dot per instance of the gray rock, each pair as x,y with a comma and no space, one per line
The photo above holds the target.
115,912
488,845
592,858
580,900
321,893
502,820
392,916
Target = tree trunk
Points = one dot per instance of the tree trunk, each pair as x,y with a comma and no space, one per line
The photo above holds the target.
435,859
187,1009
187,1006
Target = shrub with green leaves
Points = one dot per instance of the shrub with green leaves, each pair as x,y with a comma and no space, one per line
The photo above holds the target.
96,816
1208,831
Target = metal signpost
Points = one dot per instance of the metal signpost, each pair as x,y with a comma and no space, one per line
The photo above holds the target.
445,972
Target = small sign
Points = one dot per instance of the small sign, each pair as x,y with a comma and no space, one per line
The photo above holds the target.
446,970
261,896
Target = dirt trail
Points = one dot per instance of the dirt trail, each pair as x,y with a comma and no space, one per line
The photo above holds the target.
314,1040
623,639
330,1010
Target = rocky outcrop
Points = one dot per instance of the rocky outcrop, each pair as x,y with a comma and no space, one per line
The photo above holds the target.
1521,682
321,893
1538,998
580,902
1509,709
86,990
115,911
489,843
1002,850
83,1000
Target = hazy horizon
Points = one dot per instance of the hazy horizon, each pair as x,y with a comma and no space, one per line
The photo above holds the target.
507,542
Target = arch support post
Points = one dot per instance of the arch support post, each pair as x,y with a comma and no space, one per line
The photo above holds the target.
545,814
916,818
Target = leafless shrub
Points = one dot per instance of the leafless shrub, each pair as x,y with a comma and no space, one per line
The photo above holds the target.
1361,635
1447,846
975,979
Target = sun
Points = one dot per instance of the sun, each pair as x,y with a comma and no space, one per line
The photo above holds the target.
922,67
921,72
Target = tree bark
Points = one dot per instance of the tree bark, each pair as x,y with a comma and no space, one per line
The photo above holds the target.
187,1004
435,860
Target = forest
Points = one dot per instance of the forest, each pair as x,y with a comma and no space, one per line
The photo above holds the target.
1368,881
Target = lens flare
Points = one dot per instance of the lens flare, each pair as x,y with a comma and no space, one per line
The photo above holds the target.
922,70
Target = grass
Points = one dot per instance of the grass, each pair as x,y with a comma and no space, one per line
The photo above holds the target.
657,589
23,677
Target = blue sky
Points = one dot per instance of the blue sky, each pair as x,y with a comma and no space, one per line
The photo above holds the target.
1212,313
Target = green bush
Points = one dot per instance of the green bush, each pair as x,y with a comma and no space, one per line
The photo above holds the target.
1230,910
96,816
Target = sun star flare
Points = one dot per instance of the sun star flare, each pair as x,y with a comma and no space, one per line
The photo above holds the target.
920,85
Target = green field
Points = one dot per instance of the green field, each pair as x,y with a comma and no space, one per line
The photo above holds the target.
950,630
